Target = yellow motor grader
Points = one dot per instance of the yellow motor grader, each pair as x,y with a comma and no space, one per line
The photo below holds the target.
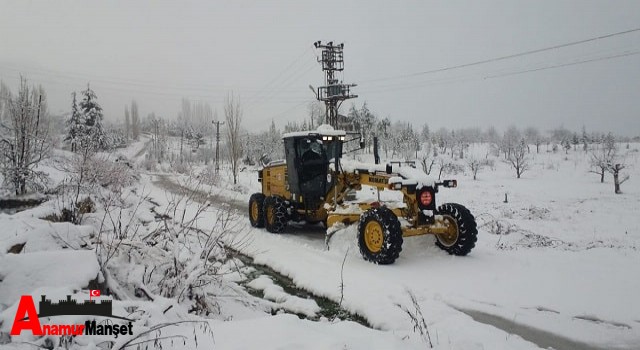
312,183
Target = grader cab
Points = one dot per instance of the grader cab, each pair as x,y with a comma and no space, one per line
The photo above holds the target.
312,183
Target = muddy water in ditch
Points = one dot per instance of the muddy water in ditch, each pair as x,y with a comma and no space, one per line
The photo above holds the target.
328,308
12,206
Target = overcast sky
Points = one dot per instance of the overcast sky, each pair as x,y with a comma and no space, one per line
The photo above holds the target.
158,52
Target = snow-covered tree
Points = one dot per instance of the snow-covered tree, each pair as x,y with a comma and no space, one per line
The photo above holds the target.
518,158
233,115
93,133
383,130
618,179
404,141
425,134
585,139
510,141
265,146
604,156
5,95
426,158
476,164
135,121
442,138
157,127
367,123
532,136
127,123
74,125
24,140
316,113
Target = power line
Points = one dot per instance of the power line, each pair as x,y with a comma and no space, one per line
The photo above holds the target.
505,57
123,89
130,82
289,78
499,73
565,64
280,74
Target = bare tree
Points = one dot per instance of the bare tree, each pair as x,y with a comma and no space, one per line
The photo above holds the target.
5,95
532,136
602,158
607,159
158,137
426,160
135,121
448,166
316,113
475,165
24,140
233,115
615,169
510,141
127,123
518,158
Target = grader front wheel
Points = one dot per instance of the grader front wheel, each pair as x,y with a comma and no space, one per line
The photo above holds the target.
379,236
462,234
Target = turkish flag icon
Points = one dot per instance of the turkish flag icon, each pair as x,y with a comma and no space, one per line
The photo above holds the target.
94,293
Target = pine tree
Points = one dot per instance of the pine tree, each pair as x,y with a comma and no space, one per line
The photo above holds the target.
92,114
74,125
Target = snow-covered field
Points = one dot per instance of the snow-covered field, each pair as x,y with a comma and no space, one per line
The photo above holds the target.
556,266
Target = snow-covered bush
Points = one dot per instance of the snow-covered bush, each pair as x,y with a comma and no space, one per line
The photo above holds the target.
449,167
181,167
209,176
149,164
181,260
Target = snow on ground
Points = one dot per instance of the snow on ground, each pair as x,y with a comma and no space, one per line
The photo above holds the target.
277,294
23,273
565,267
553,267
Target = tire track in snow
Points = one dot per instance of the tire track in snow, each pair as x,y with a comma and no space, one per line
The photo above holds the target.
543,339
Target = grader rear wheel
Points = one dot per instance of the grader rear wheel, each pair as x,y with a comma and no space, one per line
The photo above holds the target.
275,214
256,210
379,236
462,234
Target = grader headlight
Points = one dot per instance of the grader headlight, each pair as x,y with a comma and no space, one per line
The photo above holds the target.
395,186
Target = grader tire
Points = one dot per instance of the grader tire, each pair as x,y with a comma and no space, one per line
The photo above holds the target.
379,236
256,210
275,214
463,239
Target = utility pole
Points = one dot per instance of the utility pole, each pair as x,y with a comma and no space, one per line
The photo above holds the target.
217,123
181,141
334,92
